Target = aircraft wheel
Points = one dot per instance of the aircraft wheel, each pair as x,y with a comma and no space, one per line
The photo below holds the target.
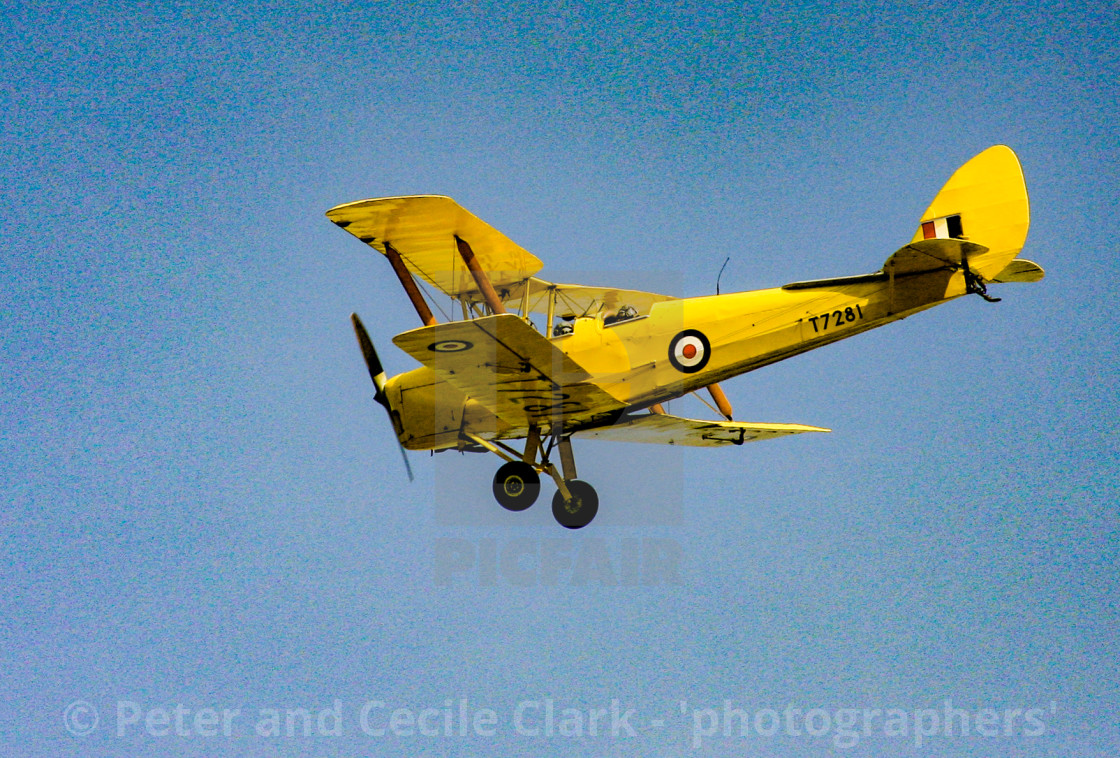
516,486
577,512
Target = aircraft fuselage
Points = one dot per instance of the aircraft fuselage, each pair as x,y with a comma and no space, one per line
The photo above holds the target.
681,346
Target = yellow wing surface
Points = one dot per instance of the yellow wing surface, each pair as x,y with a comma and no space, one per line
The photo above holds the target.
423,228
572,300
662,429
510,369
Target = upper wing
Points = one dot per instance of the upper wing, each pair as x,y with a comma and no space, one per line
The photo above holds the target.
512,370
663,429
572,300
422,228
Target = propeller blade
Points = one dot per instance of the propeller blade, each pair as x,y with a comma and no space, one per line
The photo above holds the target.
373,363
407,466
377,374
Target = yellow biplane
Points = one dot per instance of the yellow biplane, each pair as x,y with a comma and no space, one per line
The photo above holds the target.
604,360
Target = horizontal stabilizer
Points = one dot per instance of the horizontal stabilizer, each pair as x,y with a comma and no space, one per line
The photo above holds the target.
662,429
932,255
1020,270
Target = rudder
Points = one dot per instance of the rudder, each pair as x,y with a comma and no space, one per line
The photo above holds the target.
984,202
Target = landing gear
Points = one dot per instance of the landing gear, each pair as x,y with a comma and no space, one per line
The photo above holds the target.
577,511
516,486
517,483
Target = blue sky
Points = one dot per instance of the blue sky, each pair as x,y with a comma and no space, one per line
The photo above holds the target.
203,509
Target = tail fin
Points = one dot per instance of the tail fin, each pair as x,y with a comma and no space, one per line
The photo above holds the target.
984,202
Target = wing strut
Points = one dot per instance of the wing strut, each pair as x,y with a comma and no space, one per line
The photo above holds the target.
480,277
721,401
409,285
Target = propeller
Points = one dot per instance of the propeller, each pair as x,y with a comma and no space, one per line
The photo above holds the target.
377,374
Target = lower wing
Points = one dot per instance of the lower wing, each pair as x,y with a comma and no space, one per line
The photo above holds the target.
661,429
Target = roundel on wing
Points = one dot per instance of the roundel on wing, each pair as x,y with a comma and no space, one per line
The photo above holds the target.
450,346
689,351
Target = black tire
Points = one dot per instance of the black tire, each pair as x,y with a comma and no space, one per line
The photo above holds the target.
580,510
516,486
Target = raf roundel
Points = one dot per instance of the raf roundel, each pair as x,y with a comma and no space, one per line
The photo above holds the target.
689,351
450,346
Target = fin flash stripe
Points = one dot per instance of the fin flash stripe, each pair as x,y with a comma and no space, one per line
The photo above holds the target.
948,227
